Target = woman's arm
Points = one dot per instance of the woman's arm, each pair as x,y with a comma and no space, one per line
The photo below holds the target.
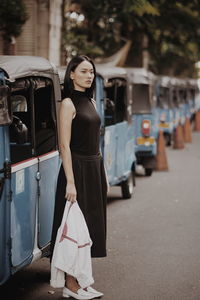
66,114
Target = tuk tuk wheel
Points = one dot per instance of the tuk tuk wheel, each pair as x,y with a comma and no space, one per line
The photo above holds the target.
127,187
148,171
168,139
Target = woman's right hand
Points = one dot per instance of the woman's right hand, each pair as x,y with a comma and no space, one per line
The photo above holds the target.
70,194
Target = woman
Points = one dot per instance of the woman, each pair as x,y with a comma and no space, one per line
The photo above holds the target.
82,175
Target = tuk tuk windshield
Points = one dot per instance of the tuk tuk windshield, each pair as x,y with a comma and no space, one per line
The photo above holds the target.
115,106
141,99
182,95
164,98
191,94
5,113
175,98
33,131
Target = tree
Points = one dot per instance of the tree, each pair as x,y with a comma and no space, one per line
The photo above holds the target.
76,32
164,32
13,15
174,38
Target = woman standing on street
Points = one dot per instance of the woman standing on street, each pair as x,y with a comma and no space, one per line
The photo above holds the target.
82,175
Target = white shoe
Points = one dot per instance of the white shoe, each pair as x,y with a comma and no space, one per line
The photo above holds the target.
80,294
95,292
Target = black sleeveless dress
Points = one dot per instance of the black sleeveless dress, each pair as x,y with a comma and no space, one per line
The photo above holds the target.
89,175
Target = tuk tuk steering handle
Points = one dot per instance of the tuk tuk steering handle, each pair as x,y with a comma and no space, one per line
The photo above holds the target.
6,170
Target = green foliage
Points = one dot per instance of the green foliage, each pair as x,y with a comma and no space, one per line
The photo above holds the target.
77,44
174,41
13,15
140,7
171,27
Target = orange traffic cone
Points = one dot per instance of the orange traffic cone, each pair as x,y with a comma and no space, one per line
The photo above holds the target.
197,121
187,131
178,138
161,157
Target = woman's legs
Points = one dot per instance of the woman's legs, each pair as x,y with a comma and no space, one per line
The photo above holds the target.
72,284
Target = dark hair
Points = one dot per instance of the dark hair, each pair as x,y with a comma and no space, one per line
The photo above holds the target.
68,82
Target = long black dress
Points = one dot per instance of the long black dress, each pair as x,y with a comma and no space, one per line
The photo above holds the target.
89,175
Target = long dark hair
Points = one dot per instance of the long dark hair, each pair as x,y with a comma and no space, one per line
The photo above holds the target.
68,82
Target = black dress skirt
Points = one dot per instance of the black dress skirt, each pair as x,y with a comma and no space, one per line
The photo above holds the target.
89,175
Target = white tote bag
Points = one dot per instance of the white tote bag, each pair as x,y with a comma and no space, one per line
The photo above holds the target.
72,250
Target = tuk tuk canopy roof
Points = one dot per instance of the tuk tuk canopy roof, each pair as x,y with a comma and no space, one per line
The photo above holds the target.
192,82
110,72
22,66
178,82
164,81
140,76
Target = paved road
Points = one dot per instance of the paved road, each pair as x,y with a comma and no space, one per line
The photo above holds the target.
153,240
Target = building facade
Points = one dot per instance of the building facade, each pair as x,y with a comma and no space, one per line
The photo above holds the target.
41,34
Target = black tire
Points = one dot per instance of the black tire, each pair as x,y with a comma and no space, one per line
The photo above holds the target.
127,187
148,171
168,139
133,175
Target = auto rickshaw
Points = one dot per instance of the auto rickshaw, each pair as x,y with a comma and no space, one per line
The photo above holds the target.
165,107
118,139
192,90
142,97
182,93
175,102
29,160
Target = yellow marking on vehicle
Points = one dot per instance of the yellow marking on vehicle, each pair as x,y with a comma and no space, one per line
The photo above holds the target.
145,140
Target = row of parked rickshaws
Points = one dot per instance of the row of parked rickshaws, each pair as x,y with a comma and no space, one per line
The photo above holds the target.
134,105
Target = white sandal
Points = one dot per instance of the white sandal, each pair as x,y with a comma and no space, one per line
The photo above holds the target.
80,294
95,292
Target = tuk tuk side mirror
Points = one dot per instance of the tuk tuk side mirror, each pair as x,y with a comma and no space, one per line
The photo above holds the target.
5,110
18,131
109,104
109,112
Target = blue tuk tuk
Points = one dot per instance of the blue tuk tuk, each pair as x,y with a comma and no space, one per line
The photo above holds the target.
29,159
182,93
192,90
175,102
117,126
197,96
165,107
142,95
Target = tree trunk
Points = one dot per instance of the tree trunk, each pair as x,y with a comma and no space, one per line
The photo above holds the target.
138,56
9,46
63,51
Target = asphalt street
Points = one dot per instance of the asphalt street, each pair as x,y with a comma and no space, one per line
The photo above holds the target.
153,239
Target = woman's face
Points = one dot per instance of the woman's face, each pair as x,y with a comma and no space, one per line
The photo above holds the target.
83,76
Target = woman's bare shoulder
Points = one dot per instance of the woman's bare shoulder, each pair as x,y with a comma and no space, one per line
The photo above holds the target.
67,107
67,103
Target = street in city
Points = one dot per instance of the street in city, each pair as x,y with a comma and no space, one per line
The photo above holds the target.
153,239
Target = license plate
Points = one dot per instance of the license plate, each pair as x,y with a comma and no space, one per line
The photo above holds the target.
164,125
145,141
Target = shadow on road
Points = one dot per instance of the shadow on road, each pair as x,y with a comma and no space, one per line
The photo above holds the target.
24,282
